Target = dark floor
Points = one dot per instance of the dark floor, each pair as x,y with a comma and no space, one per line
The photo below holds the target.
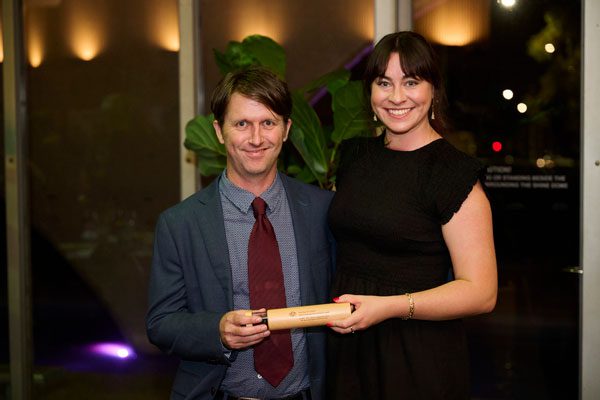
145,377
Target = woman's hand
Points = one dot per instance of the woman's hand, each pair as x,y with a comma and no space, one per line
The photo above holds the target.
368,311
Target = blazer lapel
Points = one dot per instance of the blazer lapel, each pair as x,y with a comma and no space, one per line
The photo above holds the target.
209,215
299,204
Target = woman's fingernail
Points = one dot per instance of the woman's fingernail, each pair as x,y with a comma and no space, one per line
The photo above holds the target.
336,299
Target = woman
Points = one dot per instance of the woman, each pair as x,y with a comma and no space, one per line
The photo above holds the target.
409,212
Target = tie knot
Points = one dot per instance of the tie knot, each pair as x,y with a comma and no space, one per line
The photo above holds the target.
259,206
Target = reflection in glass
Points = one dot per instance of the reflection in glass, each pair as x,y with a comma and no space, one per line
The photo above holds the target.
529,138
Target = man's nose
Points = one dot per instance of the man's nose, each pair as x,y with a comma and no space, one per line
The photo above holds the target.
256,137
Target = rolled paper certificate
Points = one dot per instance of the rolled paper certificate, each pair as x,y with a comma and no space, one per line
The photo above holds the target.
306,316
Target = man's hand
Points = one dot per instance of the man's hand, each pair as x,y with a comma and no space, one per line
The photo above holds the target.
240,329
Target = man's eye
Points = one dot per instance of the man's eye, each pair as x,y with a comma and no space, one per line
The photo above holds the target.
242,124
269,123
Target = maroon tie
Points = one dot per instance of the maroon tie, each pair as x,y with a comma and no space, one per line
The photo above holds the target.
273,357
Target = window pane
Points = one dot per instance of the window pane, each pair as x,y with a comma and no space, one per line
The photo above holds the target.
102,90
512,75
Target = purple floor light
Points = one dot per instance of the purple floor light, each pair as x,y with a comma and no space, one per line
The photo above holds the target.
114,350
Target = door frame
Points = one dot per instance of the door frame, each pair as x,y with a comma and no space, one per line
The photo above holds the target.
590,215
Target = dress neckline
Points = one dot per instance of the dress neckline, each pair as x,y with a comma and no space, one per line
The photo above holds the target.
381,140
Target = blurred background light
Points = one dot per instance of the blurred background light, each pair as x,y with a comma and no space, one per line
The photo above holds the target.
452,22
497,146
507,94
1,45
34,37
549,47
114,350
86,28
508,3
163,24
521,107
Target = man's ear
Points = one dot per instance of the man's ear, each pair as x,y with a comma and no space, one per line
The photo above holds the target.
218,131
287,129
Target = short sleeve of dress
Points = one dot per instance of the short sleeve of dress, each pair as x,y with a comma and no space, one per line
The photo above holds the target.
452,178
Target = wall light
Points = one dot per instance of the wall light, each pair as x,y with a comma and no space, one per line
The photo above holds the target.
452,22
86,29
163,24
250,18
1,46
507,3
34,37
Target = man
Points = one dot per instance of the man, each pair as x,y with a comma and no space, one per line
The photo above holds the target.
203,287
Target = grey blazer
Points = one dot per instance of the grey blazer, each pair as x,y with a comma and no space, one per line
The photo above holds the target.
191,285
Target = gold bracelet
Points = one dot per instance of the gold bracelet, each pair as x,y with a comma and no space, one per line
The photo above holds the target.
411,307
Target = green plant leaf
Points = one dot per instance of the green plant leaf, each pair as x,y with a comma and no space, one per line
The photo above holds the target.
308,138
211,163
339,77
306,175
201,138
351,115
236,56
253,50
266,52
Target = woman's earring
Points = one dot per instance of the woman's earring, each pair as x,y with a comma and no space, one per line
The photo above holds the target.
374,117
432,111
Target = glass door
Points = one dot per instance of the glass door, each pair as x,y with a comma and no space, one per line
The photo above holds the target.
513,77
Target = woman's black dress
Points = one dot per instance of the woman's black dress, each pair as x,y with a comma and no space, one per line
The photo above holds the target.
387,216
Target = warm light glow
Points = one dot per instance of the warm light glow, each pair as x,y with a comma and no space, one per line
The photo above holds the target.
521,107
508,3
86,30
549,47
35,56
250,19
507,94
34,39
86,49
1,46
452,22
163,24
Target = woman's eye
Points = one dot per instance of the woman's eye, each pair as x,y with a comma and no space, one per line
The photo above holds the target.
384,83
412,83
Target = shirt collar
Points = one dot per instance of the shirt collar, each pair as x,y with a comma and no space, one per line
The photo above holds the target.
242,199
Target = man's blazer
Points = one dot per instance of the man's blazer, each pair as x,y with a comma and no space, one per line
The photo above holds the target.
191,284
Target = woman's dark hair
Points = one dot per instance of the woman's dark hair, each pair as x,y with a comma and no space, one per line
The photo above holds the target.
256,83
417,59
